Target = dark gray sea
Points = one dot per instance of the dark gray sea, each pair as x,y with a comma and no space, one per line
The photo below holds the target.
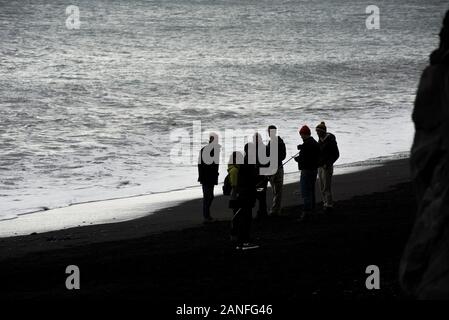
86,114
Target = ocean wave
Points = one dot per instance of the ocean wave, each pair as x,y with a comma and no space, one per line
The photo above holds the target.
89,117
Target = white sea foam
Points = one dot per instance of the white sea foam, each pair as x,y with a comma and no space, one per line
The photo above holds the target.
129,208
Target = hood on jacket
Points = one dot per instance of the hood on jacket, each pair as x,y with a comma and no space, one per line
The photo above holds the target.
329,137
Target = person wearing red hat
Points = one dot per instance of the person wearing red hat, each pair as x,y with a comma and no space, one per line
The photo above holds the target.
308,161
424,268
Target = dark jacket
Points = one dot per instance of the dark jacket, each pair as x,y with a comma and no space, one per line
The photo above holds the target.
329,150
251,147
246,185
309,156
261,180
424,269
282,151
208,173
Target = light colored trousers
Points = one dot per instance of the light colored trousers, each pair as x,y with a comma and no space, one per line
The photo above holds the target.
277,183
325,175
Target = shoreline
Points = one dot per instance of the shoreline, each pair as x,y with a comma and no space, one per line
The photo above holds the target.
146,258
121,209
188,214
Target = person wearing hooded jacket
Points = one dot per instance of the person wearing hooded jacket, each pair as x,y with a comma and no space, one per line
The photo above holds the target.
329,154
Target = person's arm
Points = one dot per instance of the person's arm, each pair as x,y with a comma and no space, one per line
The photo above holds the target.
300,159
335,152
200,166
282,150
233,180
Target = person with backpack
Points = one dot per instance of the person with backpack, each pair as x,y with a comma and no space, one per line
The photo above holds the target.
208,162
308,161
277,179
243,178
329,154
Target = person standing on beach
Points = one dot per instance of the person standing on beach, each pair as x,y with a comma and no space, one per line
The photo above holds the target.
262,181
277,179
208,163
235,161
329,154
424,268
246,199
308,160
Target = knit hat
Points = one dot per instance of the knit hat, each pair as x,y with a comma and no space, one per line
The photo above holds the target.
321,127
305,131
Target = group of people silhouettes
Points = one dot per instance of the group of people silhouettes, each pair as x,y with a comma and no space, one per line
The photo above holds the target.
250,171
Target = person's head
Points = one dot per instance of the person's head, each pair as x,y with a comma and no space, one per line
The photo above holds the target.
257,139
321,130
236,158
213,137
246,149
304,132
272,131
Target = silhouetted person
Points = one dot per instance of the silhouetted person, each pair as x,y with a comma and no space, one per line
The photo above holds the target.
329,154
277,179
208,163
308,160
424,270
246,199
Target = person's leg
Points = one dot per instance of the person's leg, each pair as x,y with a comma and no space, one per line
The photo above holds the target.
305,190
322,183
235,224
277,183
262,199
247,224
271,180
244,217
312,186
208,196
329,172
205,202
211,195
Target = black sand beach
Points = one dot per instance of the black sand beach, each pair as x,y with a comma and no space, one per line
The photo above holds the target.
171,256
